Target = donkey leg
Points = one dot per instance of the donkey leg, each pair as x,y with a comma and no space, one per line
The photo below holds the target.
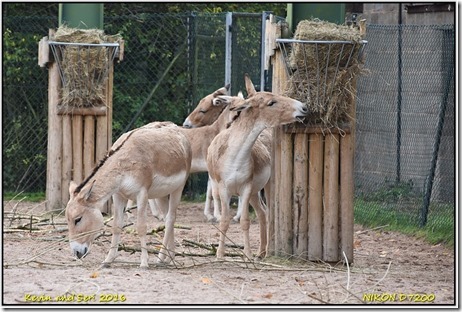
159,207
244,220
167,252
141,227
224,220
119,204
237,217
258,206
216,202
208,201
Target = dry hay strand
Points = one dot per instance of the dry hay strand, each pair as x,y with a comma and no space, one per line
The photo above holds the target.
83,67
324,75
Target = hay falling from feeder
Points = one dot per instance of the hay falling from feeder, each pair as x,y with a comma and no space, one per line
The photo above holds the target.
323,75
84,68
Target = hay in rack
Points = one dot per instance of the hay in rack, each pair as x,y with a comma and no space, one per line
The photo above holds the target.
322,72
83,68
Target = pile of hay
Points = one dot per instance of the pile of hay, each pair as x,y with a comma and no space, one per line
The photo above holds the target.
323,75
84,68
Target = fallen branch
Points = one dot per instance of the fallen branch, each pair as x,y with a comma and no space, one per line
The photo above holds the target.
373,229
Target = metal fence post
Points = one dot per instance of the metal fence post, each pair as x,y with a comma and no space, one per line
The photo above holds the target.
228,52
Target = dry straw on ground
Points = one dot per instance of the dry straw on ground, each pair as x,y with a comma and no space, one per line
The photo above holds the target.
84,68
323,75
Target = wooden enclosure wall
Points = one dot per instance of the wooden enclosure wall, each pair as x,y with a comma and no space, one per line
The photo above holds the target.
311,202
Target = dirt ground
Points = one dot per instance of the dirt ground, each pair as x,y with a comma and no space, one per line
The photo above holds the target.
388,268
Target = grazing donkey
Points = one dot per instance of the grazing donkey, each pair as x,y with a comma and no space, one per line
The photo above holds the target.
149,162
231,167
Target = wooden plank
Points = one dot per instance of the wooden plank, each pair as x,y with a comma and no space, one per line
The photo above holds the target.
331,199
44,56
77,149
55,140
301,128
284,232
88,145
120,54
300,195
273,200
67,158
94,111
347,196
315,174
101,138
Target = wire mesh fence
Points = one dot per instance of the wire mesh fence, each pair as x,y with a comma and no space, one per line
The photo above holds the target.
404,164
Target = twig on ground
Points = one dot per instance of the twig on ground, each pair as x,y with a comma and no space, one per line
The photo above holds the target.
373,229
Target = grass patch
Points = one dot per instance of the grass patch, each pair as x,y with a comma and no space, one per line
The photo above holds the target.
404,218
30,197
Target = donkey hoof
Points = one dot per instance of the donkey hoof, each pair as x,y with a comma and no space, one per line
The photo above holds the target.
105,265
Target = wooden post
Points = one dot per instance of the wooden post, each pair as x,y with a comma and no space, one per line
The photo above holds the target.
88,144
347,195
77,143
55,139
67,158
300,195
331,198
284,238
315,173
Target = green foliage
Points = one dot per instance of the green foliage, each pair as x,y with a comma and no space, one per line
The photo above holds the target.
30,197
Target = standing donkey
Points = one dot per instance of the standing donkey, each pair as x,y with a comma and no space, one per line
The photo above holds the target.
230,165
208,112
149,162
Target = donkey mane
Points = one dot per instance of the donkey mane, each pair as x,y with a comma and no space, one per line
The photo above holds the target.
101,163
234,118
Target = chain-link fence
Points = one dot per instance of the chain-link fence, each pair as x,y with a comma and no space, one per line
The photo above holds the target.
170,62
404,163
24,104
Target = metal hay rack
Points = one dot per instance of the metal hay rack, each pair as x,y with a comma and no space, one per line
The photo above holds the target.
320,74
83,68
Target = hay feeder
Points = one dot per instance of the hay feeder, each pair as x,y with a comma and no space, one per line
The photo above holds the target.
80,66
311,203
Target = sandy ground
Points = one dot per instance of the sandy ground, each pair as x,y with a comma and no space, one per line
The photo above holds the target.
389,268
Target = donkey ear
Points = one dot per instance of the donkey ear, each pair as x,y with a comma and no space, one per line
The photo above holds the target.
88,193
221,91
249,86
222,100
240,106
72,187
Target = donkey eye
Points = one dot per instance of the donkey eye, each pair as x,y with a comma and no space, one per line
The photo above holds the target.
77,220
271,103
